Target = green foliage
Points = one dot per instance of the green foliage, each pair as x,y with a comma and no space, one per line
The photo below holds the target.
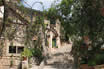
82,18
1,47
11,61
77,50
19,1
37,53
27,52
24,10
99,58
91,63
65,7
52,13
0,2
34,30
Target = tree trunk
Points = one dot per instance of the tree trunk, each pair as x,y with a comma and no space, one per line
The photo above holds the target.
4,18
75,64
44,47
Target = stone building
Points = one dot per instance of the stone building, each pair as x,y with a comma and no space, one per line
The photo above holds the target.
11,47
12,40
53,34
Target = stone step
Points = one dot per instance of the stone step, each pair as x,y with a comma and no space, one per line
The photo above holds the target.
61,58
49,67
58,67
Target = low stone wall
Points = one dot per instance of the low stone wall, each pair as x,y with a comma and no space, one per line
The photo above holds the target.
6,61
25,64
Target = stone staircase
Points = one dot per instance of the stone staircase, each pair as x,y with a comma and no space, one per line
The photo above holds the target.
60,58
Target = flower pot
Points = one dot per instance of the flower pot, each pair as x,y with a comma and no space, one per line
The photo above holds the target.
24,58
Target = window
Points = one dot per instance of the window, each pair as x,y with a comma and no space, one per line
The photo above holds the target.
12,49
16,49
20,49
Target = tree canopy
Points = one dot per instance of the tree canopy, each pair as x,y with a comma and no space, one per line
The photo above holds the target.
82,18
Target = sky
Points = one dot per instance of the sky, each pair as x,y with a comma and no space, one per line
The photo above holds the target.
37,6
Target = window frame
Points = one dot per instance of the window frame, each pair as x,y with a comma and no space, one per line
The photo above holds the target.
17,51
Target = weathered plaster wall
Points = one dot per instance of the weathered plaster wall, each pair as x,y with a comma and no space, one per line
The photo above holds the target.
1,11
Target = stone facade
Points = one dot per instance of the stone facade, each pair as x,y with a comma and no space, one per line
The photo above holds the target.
1,11
52,32
8,57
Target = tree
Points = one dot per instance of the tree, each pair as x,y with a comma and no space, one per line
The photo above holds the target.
4,18
82,18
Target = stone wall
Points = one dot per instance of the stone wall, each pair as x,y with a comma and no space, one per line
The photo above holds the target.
1,11
6,57
58,25
5,62
51,34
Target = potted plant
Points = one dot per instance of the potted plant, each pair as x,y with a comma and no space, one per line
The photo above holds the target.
11,61
26,53
24,58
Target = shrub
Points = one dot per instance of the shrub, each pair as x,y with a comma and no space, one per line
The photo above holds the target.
37,53
27,52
